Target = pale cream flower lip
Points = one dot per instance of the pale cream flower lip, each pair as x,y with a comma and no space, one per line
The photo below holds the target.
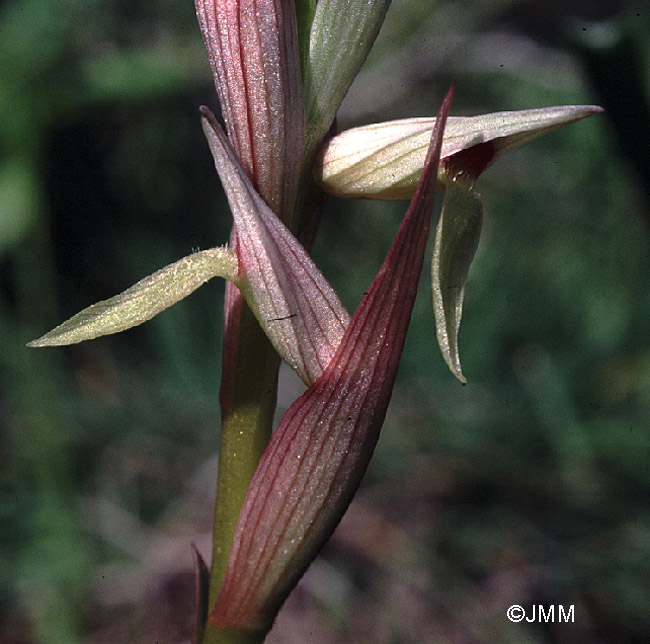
385,160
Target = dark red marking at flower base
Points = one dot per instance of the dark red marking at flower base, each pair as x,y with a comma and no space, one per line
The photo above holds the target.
472,161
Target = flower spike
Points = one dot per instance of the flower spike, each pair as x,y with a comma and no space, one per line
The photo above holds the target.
319,452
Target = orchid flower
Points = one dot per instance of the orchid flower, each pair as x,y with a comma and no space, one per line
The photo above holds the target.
379,162
385,161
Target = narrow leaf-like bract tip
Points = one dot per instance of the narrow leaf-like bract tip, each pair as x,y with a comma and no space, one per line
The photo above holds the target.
143,300
202,582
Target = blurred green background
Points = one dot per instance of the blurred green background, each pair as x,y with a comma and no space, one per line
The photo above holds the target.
529,486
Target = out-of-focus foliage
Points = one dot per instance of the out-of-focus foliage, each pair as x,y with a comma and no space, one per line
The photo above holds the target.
528,486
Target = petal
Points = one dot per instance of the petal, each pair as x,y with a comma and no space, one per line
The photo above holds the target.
295,305
143,300
385,160
319,452
457,236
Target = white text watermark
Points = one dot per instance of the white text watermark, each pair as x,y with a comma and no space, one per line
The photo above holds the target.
540,613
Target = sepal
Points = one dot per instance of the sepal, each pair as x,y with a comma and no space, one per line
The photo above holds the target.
342,34
385,160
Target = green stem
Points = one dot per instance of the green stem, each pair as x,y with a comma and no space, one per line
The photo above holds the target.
247,421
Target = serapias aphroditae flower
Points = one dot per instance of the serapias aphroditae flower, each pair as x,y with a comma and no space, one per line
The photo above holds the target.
385,161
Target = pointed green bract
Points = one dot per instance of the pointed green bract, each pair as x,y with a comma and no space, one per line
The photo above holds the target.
144,300
457,236
342,33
